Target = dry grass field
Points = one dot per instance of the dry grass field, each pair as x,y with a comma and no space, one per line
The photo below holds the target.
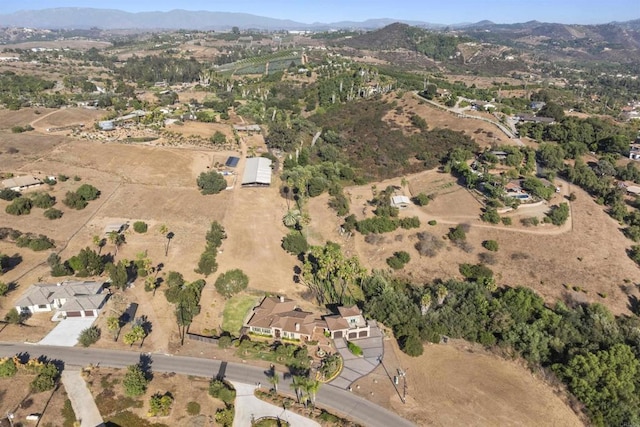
16,397
462,384
587,252
484,133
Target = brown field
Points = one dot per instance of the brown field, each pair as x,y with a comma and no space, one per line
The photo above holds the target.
484,133
183,389
587,252
16,397
462,384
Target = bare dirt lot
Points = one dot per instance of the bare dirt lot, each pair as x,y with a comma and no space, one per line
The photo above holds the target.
106,386
461,384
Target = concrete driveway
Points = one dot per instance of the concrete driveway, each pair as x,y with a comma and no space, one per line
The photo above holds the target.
249,408
81,399
66,333
356,366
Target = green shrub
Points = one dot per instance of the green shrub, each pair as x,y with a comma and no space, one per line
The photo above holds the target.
43,200
558,215
7,367
476,272
63,178
74,201
89,336
211,182
354,348
140,227
530,221
506,220
19,206
35,243
223,391
53,213
46,379
193,408
377,225
398,260
231,282
408,223
295,243
457,234
490,245
88,192
9,194
490,215
432,222
421,199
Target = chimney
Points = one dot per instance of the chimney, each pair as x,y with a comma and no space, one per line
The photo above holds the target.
297,327
281,298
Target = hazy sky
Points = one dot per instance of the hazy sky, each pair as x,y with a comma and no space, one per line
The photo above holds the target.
434,11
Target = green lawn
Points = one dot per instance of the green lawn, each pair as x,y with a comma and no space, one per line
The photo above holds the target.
235,310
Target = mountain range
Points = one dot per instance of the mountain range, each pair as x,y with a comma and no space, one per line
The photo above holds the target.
109,19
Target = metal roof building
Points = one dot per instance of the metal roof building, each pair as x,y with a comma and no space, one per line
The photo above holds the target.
257,172
21,182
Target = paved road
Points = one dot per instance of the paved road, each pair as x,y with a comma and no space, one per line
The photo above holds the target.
361,410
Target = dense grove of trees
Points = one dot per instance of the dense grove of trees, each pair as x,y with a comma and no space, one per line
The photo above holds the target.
578,136
150,69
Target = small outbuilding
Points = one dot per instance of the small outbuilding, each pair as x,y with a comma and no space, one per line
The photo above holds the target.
117,227
633,189
257,172
400,202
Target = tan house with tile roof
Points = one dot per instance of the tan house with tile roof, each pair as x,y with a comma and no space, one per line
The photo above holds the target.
280,317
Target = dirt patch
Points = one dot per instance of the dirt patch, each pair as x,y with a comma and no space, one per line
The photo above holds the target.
461,384
17,398
106,386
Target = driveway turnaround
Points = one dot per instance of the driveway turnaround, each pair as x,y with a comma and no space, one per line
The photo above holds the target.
66,333
356,367
81,399
250,408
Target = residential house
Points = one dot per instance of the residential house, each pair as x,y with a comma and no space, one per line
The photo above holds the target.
68,299
280,317
348,323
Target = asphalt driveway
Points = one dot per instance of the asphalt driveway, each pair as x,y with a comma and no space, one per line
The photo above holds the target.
66,333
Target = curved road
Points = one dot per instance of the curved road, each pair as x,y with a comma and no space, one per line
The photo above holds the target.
361,410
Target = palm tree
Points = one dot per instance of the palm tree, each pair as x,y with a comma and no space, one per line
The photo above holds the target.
297,384
113,324
116,239
274,380
311,387
441,293
291,218
425,303
99,242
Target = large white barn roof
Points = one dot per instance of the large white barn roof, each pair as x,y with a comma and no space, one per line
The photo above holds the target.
257,171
